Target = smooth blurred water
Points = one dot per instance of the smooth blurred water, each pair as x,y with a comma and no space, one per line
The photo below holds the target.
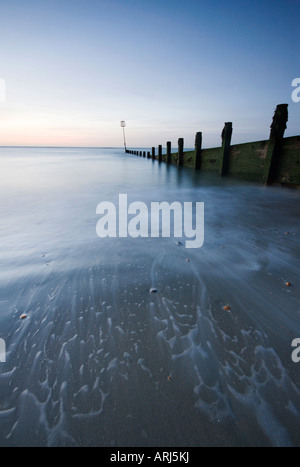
101,361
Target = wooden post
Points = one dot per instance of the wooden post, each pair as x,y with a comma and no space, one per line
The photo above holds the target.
159,153
148,154
198,149
226,139
278,127
144,153
180,152
153,153
169,152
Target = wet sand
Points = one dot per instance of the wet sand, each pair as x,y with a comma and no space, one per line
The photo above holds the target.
101,361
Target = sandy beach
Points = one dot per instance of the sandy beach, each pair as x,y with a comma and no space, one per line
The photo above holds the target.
99,360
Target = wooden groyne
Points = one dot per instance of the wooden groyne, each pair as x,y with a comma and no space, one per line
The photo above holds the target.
273,161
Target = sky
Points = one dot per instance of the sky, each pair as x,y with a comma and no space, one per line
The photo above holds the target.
71,70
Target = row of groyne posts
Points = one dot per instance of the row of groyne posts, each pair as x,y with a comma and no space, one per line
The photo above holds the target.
277,127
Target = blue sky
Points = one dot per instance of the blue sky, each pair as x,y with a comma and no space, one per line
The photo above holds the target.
74,68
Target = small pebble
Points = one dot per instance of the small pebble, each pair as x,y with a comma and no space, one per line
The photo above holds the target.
23,316
226,307
187,260
288,284
152,290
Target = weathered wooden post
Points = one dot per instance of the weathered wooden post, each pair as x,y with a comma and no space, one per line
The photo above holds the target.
148,154
169,152
226,139
159,153
153,153
180,152
278,127
144,153
198,149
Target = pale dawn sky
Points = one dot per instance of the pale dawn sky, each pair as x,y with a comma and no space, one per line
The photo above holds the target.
73,69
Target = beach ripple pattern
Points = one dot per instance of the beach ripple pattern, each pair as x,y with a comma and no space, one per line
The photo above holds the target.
94,364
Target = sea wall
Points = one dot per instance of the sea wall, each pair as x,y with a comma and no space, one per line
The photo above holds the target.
274,161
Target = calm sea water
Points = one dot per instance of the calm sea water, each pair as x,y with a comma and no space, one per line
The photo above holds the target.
100,361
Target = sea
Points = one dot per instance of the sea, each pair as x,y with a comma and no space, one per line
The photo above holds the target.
140,341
